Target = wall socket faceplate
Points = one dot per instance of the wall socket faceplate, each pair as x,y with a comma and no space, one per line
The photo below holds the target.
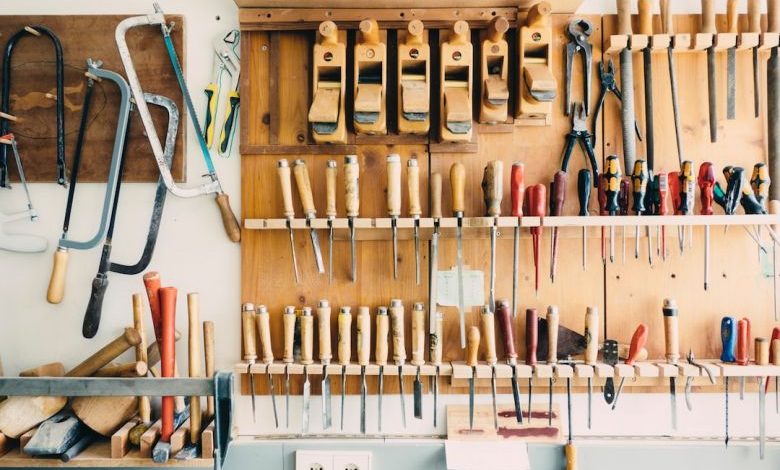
332,460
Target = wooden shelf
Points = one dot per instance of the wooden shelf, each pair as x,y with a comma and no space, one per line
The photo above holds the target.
688,43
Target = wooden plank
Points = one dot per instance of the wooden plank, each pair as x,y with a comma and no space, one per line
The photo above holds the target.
508,427
180,437
207,441
120,440
34,75
149,439
559,6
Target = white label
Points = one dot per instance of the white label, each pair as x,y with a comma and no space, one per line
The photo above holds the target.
473,288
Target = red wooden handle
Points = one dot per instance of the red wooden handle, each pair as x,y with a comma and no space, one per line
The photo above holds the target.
706,180
559,193
674,189
531,335
505,323
167,300
638,342
743,340
517,186
663,194
603,194
152,284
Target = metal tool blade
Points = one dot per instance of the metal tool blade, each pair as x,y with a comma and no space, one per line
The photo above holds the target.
287,396
395,249
493,393
273,399
731,83
471,398
417,396
612,244
417,251
401,394
516,396
761,417
306,400
712,94
706,256
647,60
292,249
590,399
617,395
741,388
515,269
252,391
673,397
549,402
343,392
756,84
435,397
584,249
675,105
774,279
432,280
688,385
330,251
315,244
530,397
726,414
353,248
327,420
461,299
362,399
492,299
380,387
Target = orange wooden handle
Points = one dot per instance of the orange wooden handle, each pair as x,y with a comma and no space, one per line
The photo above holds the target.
152,285
638,342
167,354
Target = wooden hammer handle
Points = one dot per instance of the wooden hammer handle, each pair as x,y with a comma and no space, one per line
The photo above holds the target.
193,322
168,355
106,354
708,17
208,353
152,285
624,17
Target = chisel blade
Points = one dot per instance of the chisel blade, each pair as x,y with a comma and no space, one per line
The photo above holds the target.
395,249
315,244
436,397
252,391
590,399
330,251
493,393
294,258
287,396
380,388
471,399
731,83
492,292
756,84
461,299
418,396
401,394
712,94
761,417
273,399
327,416
362,399
726,413
673,398
516,396
306,401
432,281
530,397
343,393
353,249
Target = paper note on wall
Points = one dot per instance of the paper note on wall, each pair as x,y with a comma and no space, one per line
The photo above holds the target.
473,288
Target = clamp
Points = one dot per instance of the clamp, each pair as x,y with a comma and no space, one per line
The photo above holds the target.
579,131
609,84
579,32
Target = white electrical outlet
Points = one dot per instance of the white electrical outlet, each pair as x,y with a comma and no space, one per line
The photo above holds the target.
352,461
313,460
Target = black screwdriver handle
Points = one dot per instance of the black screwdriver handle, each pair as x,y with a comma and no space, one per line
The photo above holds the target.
612,176
583,190
639,179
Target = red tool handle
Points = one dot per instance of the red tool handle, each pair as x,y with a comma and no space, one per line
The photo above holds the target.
638,342
505,324
517,188
537,203
167,301
603,195
706,180
152,284
743,342
663,194
772,353
559,193
674,190
531,336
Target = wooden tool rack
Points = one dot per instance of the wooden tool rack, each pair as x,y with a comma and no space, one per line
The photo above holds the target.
277,41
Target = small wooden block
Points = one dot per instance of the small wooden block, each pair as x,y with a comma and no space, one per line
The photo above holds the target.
415,96
604,370
207,442
180,437
624,370
645,369
681,42
723,41
368,98
461,371
149,439
543,371
748,41
484,371
524,371
564,371
689,370
456,102
503,371
615,44
702,41
325,106
660,42
120,440
668,370
768,41
638,42
583,370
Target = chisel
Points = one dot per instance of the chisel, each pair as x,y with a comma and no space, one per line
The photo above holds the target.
307,359
331,173
471,361
774,357
263,326
399,348
418,352
553,320
250,348
307,201
507,333
492,191
591,349
667,19
344,352
728,336
433,269
323,324
415,210
394,202
288,356
436,347
762,359
672,337
706,181
363,324
557,197
627,85
352,203
708,27
754,26
583,194
742,355
638,341
458,187
517,194
531,341
646,28
537,206
732,20
285,182
489,333
380,356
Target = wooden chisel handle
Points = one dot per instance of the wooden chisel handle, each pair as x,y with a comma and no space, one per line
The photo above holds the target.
667,17
458,188
285,184
345,336
646,17
732,16
472,346
229,221
624,17
323,323
638,342
208,353
762,351
436,341
506,326
248,333
493,187
488,321
303,183
144,405
382,330
307,337
152,286
397,331
263,327
436,196
571,456
773,16
352,185
393,185
193,322
167,355
106,354
363,324
413,187
671,331
418,334
331,175
708,17
553,321
754,16
288,320
591,335
56,290
775,352
531,336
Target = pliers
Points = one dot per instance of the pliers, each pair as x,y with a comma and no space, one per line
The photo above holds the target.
579,131
689,380
579,31
609,84
226,70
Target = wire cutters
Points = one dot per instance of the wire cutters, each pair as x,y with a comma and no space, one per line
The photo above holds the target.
609,84
579,131
225,64
579,31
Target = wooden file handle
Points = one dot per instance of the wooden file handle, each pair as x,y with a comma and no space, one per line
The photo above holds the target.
507,333
488,320
517,188
773,16
497,28
591,335
393,185
288,320
382,330
646,17
624,17
329,33
436,341
732,16
323,323
418,334
369,32
363,324
106,354
285,183
208,354
493,187
638,342
193,317
754,16
415,30
229,221
472,346
708,17
263,325
762,351
458,187
167,355
56,290
307,337
345,335
397,331
743,339
667,17
248,332
413,187
144,405
571,456
553,320
671,331
331,174
152,286
531,336
352,185
303,183
436,196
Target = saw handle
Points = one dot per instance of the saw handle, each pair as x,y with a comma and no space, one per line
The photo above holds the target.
708,17
505,324
167,355
591,335
488,321
418,334
728,336
624,17
553,321
517,188
307,337
56,291
638,341
363,323
531,336
229,221
436,196
393,185
413,187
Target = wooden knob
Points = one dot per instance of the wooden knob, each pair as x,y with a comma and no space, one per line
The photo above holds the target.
497,28
762,351
754,16
288,321
489,333
352,185
208,354
144,405
369,32
397,331
345,335
307,337
285,183
458,187
323,322
531,336
732,16
539,15
56,291
773,16
363,323
507,329
646,17
418,334
329,33
248,332
437,340
591,335
459,33
193,327
413,186
671,331
393,185
708,17
493,187
667,17
382,330
331,174
303,183
624,17
553,320
263,325
415,30
436,196
472,346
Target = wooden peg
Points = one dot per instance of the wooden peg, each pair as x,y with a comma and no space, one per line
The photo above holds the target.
8,117
494,69
762,351
457,61
329,67
370,85
537,86
414,79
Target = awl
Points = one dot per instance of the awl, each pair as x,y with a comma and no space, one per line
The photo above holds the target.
331,173
517,194
415,210
672,337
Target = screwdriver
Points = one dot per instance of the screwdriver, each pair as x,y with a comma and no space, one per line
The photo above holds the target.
415,209
458,186
583,194
638,341
639,178
352,203
307,200
687,190
394,202
493,190
344,351
331,172
380,356
612,186
517,194
285,182
537,196
663,208
471,360
399,348
728,336
506,327
623,197
531,341
489,333
674,191
672,337
759,182
557,197
602,196
706,182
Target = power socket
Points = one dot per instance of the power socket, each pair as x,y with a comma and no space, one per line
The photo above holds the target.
313,460
352,461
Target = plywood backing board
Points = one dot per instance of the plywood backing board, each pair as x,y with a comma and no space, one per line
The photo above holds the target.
83,37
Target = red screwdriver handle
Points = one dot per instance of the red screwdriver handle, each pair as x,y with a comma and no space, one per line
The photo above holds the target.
559,193
774,356
517,188
531,336
506,327
623,195
687,188
674,190
743,341
706,181
537,203
663,194
638,342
